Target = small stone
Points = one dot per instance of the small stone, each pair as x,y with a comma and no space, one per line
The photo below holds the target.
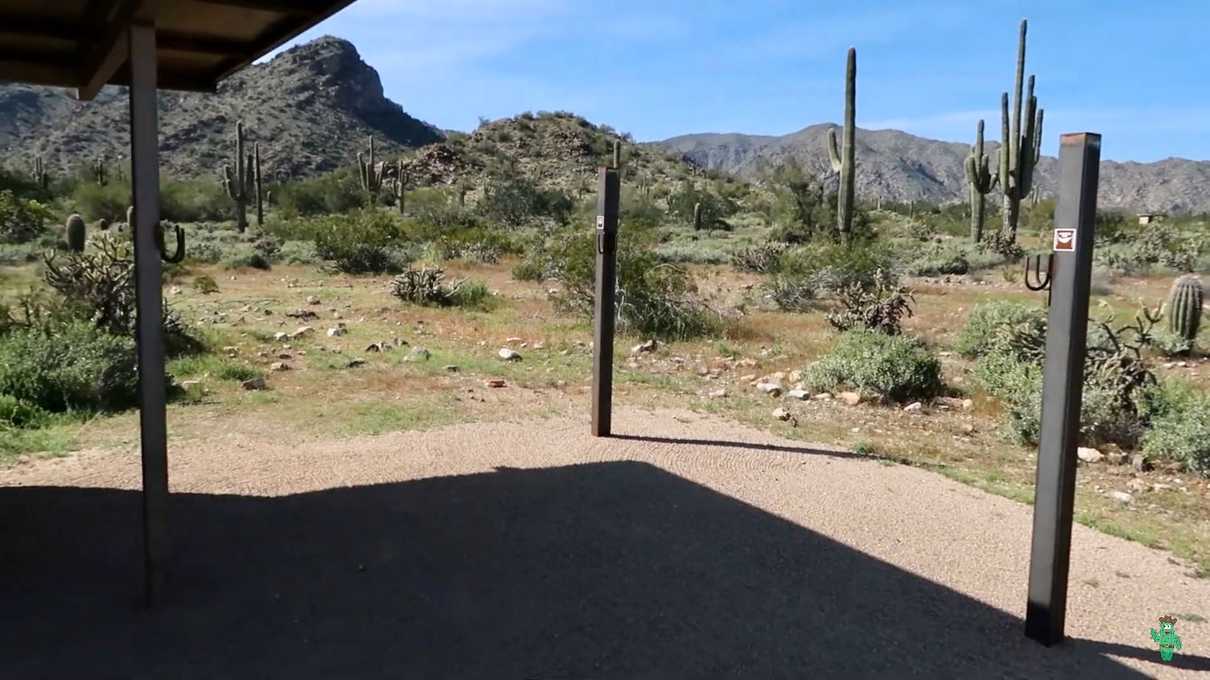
508,355
280,336
798,394
1140,463
279,366
496,383
418,354
747,378
914,407
781,414
176,290
1137,485
1115,457
450,368
968,429
301,331
337,331
1121,496
1089,455
190,384
510,341
850,398
794,376
312,300
649,346
822,396
354,363
717,394
770,388
255,384
231,351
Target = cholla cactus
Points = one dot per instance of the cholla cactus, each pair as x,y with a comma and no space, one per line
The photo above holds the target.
1021,146
843,157
981,181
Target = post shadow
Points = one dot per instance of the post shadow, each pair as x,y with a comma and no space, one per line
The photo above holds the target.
607,570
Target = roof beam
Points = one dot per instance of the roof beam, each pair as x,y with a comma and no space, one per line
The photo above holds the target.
103,59
166,40
300,7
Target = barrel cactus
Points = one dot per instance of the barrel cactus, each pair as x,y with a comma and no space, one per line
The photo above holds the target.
1185,307
76,233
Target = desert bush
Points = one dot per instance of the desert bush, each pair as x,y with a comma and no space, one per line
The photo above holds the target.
879,307
336,192
75,366
715,209
362,242
1000,244
761,259
427,286
989,322
1138,251
897,368
515,201
19,414
246,257
1180,426
655,299
205,284
832,267
21,220
95,201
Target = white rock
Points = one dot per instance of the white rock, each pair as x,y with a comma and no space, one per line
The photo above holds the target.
648,346
1121,496
312,300
508,355
1089,455
799,394
280,335
418,354
337,331
718,394
850,398
279,366
770,388
914,407
781,414
301,331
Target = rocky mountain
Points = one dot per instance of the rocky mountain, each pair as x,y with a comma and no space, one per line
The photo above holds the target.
311,107
901,167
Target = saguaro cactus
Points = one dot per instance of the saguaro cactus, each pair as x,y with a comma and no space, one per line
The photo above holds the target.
981,180
257,186
697,216
371,174
239,184
401,186
77,231
98,172
844,161
1185,307
617,154
1021,146
40,176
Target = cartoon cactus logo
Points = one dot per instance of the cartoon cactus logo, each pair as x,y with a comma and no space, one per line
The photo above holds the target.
1167,638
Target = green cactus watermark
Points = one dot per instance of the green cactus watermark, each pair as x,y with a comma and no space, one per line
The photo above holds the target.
1167,638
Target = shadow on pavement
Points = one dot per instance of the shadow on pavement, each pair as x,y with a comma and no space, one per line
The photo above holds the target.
611,570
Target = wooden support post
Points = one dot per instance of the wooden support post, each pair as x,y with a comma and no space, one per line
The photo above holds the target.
604,315
1062,392
145,182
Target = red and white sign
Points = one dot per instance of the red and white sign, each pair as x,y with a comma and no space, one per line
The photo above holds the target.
1065,240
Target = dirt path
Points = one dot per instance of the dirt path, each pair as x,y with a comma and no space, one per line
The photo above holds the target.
689,547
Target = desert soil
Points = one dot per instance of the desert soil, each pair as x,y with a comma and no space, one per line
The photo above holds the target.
685,547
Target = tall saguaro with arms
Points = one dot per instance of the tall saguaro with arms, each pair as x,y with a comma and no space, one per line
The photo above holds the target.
1062,392
604,313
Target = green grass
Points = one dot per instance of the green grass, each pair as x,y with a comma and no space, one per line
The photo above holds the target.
56,437
215,366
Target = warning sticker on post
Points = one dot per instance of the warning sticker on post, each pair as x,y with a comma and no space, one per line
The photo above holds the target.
1065,240
601,222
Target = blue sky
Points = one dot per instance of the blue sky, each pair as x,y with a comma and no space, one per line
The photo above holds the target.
1138,72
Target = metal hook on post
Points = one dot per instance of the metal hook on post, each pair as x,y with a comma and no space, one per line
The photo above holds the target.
1040,280
179,255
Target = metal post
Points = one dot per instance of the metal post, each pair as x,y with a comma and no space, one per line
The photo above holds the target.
604,313
1062,393
145,182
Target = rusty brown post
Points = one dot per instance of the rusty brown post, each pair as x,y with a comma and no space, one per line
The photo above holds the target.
608,190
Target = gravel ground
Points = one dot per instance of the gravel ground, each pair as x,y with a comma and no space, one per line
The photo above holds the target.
688,547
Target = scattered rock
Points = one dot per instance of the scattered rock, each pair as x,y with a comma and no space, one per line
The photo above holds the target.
450,368
954,403
508,355
1140,463
302,315
418,354
798,394
770,388
301,331
354,363
1137,485
747,378
968,429
1089,455
496,383
190,384
337,331
231,351
914,407
649,346
782,414
717,394
1115,457
279,366
511,341
280,336
850,398
794,376
822,396
312,300
255,384
1121,496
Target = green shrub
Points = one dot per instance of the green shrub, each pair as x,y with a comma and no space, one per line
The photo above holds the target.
94,201
831,267
880,307
990,321
363,242
897,368
529,270
205,284
335,192
16,413
426,286
21,220
194,201
1180,426
247,258
75,367
515,201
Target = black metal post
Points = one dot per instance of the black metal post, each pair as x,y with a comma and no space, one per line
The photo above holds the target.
145,182
1062,393
604,313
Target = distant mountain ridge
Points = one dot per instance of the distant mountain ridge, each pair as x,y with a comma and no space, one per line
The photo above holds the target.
900,167
311,107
